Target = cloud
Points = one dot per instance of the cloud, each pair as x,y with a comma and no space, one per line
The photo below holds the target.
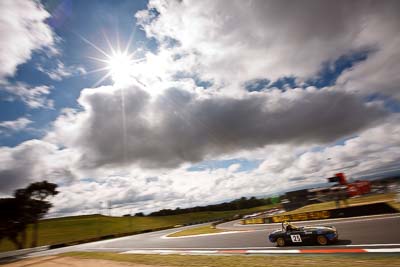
378,74
33,160
372,151
33,96
132,189
23,30
61,71
133,145
15,125
178,126
234,42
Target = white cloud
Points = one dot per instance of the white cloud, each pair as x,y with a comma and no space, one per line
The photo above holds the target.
33,96
23,30
372,150
234,41
378,74
61,71
15,125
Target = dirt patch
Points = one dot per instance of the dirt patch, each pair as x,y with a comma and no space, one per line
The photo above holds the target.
60,261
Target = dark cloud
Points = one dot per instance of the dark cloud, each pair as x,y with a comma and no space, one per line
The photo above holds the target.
19,166
31,161
178,126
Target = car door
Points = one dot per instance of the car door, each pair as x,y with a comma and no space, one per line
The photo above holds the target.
295,236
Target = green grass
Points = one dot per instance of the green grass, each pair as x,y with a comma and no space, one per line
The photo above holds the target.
207,229
69,229
245,261
395,205
352,202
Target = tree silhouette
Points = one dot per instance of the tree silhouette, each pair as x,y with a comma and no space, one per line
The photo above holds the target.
27,207
39,191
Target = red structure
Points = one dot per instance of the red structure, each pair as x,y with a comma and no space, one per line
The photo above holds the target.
341,178
358,188
353,189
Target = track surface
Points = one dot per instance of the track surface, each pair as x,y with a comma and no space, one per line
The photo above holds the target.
370,231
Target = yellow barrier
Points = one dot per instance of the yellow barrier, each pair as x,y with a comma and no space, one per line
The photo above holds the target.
314,215
253,221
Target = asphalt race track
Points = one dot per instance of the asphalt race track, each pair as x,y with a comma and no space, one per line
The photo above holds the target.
372,231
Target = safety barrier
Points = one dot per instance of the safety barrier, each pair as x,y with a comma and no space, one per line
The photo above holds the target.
361,210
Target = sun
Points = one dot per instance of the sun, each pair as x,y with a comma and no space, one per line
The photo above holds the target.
120,67
119,64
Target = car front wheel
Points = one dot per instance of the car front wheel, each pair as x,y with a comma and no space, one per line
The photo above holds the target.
280,242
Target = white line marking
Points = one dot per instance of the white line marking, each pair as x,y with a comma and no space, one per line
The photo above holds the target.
373,245
221,251
383,250
143,250
203,251
269,251
260,251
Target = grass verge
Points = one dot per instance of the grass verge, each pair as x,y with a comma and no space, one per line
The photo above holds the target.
206,229
245,261
70,229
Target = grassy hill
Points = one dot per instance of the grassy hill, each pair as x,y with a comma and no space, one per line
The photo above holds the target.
69,229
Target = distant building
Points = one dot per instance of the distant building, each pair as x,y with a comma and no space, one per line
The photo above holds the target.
339,192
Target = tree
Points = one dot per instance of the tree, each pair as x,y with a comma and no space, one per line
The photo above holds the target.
39,191
12,222
27,207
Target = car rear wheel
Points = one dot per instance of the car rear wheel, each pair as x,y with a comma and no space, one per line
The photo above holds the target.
322,240
280,242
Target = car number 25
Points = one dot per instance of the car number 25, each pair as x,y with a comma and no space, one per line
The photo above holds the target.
295,238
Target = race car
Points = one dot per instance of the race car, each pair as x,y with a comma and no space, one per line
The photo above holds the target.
291,234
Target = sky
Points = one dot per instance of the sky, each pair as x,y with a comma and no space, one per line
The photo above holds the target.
145,105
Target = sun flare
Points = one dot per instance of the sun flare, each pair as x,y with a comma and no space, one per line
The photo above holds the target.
120,67
119,64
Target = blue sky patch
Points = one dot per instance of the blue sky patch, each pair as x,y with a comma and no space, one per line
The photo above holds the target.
284,83
256,85
331,70
389,103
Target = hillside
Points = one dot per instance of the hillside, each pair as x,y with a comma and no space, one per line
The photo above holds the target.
67,229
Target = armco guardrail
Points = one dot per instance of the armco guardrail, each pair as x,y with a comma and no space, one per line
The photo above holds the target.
353,211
